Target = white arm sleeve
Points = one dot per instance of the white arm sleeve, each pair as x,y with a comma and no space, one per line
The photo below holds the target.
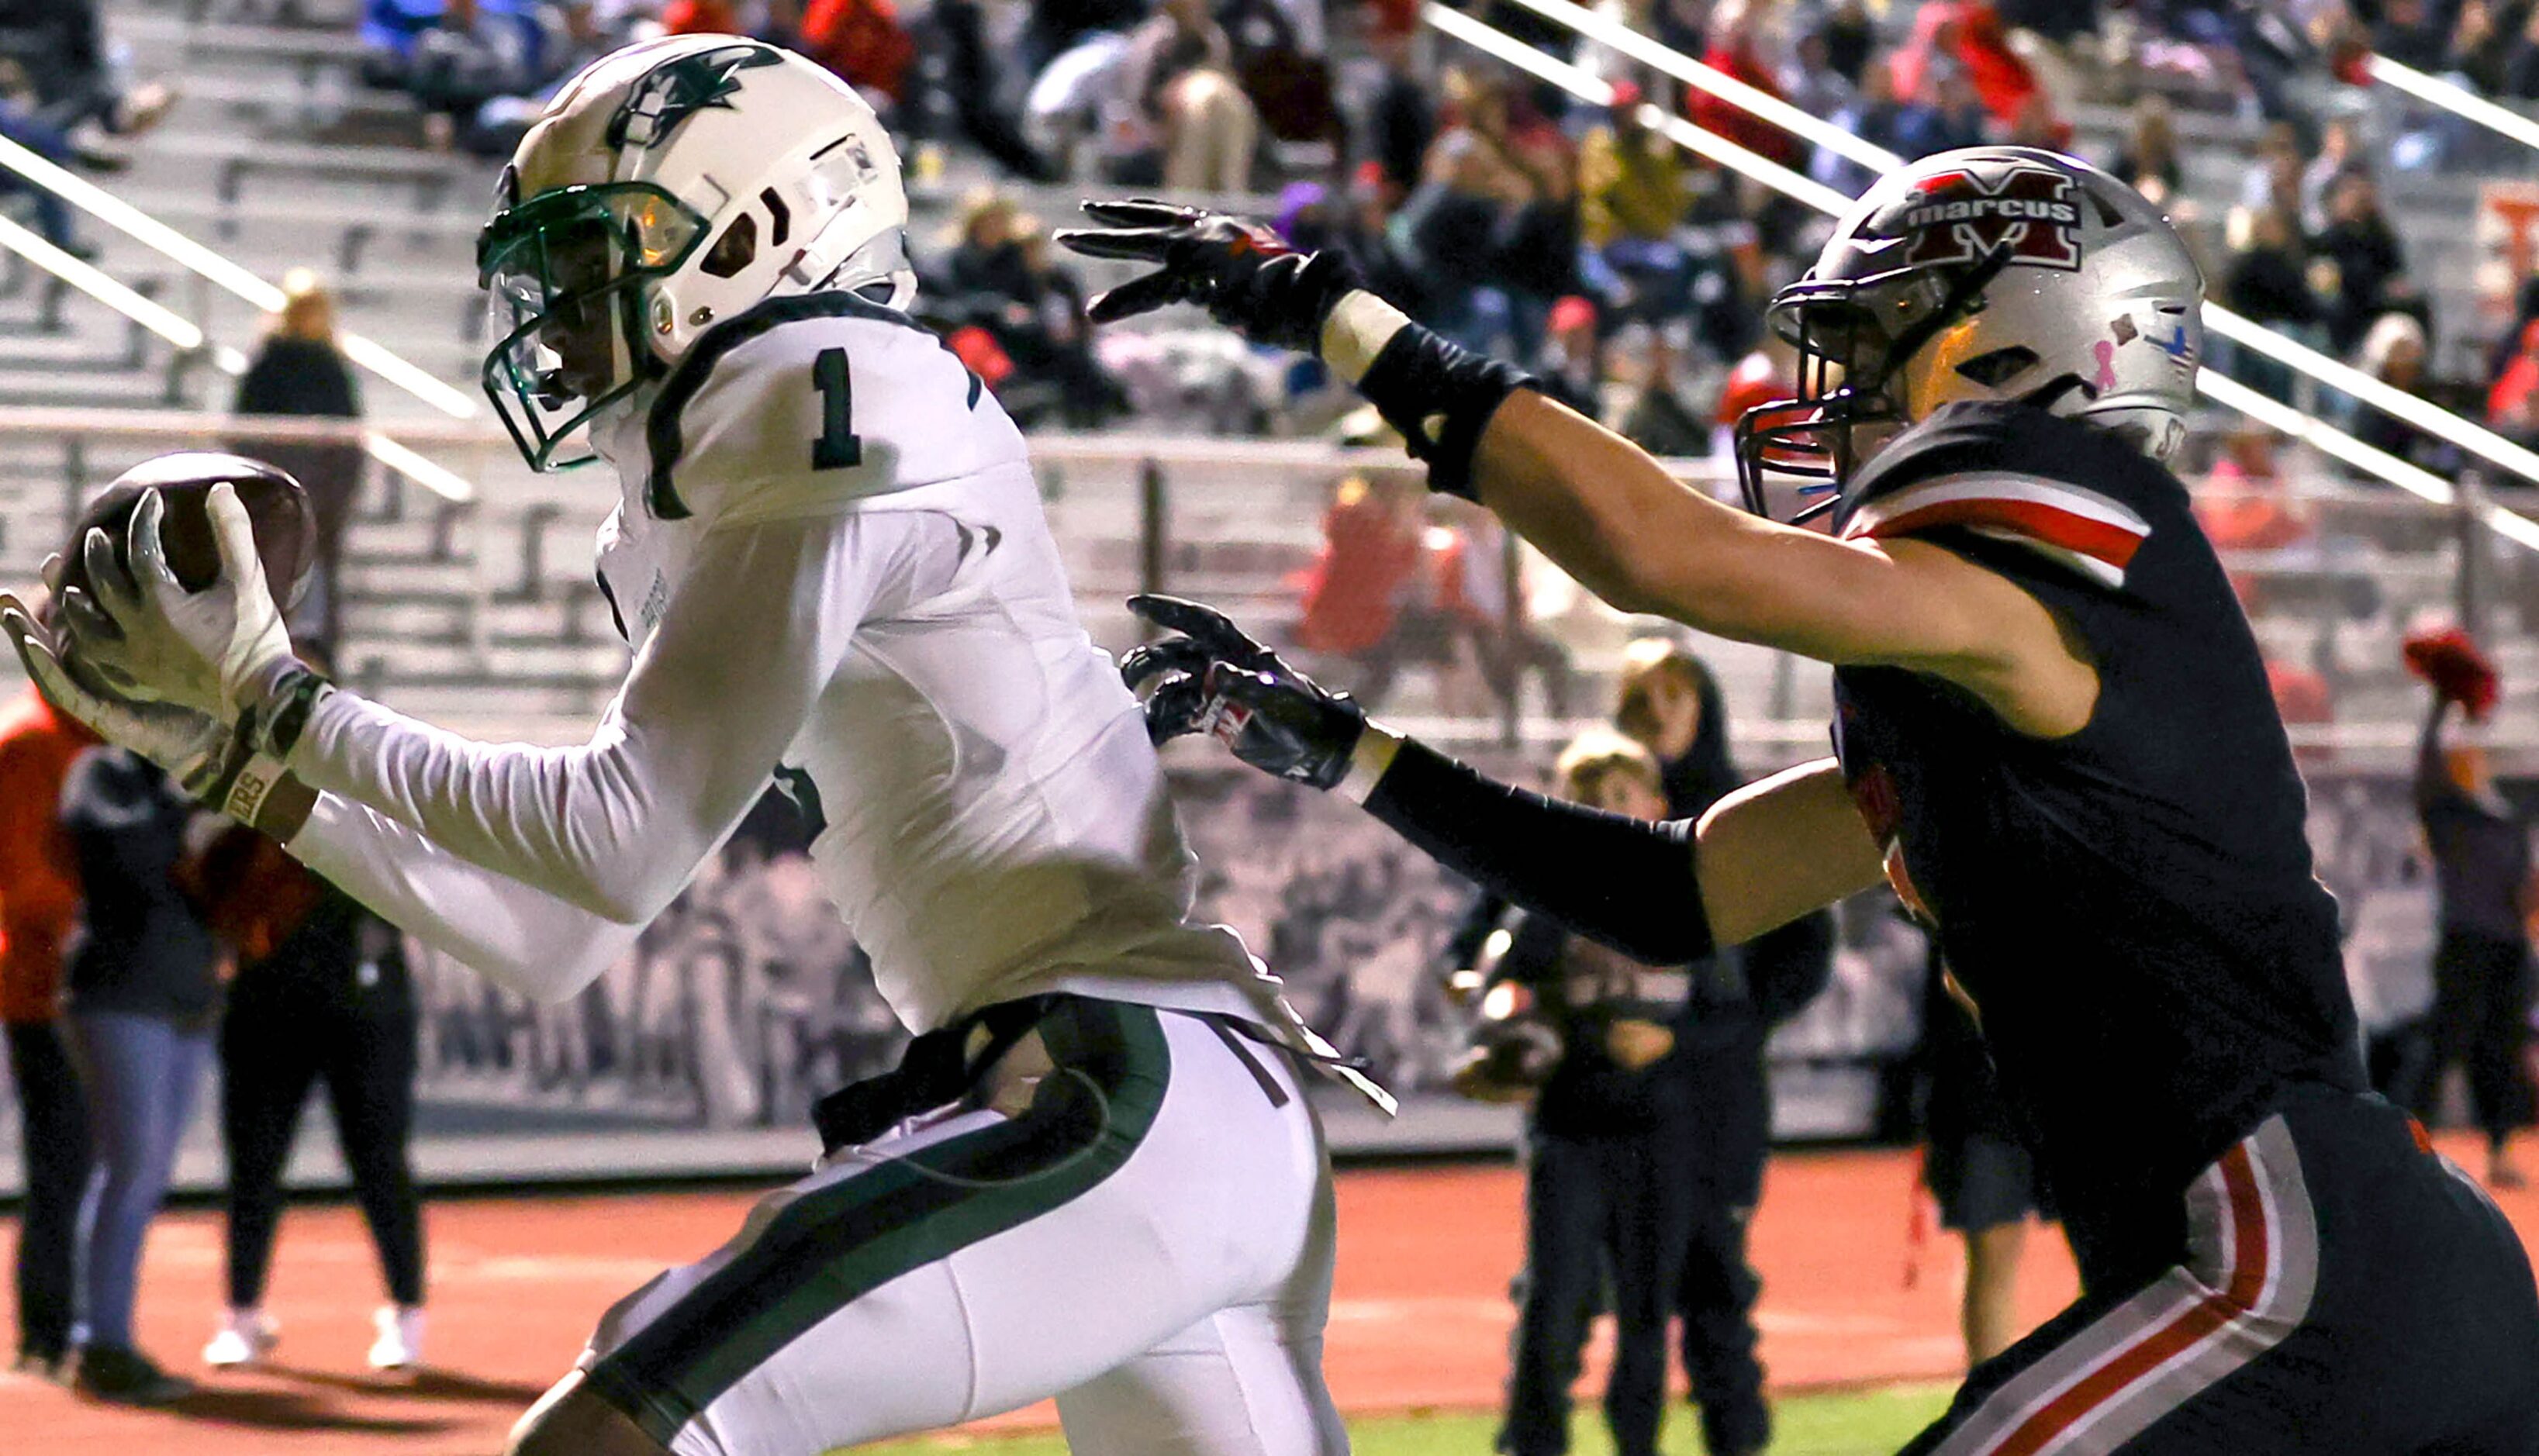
613,828
517,936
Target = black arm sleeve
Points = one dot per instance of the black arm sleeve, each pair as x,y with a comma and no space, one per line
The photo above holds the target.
1625,882
1786,966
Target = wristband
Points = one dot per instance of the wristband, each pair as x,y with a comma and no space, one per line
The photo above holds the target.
1369,757
278,721
1438,393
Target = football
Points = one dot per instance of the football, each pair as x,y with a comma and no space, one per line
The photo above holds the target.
286,529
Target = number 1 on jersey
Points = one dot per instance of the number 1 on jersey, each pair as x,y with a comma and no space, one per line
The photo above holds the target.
838,446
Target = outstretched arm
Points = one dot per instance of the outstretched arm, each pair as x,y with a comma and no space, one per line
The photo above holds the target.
1759,858
1594,503
617,825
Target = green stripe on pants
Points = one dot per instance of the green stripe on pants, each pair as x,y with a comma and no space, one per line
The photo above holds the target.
834,1244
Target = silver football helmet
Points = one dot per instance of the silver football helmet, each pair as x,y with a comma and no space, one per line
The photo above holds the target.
1987,273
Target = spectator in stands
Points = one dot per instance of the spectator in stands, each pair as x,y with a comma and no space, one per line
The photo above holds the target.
1607,1184
143,983
1181,75
2477,51
2482,965
1573,360
2150,163
1735,49
2521,79
300,373
1964,36
2245,503
2370,263
1951,114
2268,280
1873,116
862,43
1666,701
320,995
2512,403
1850,38
39,904
2408,34
1444,230
1810,82
2393,352
52,216
1362,589
59,47
479,51
2275,181
2340,151
960,63
1471,594
1633,187
999,278
1400,118
1655,414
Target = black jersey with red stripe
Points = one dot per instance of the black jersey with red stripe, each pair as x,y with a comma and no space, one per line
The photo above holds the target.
2131,907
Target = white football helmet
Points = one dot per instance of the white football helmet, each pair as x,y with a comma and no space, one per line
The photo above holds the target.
1985,273
668,186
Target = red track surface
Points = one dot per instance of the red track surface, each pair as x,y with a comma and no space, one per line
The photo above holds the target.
1421,1318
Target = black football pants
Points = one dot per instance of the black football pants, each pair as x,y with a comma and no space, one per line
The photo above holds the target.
2343,1290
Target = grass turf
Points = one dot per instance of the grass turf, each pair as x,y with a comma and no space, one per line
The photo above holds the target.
1865,1423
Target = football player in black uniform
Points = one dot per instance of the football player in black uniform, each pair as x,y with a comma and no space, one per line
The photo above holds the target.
2054,740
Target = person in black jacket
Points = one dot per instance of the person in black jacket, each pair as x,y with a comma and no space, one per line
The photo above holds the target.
1606,1183
2482,965
299,372
321,995
1669,702
143,993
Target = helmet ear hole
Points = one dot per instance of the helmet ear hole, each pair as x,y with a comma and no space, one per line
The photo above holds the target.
779,215
735,249
1998,368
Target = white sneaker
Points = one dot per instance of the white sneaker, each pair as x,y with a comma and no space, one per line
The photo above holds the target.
400,1341
245,1337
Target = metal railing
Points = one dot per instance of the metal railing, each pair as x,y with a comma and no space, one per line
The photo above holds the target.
222,273
2460,101
191,344
2218,387
2469,436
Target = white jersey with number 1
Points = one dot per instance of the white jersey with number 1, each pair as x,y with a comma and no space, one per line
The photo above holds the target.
831,560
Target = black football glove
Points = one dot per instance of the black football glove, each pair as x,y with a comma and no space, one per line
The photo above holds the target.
1242,273
1215,679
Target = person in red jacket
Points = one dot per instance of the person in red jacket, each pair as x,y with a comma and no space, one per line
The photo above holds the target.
39,899
1364,577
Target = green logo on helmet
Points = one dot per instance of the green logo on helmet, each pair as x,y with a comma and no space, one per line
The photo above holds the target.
677,90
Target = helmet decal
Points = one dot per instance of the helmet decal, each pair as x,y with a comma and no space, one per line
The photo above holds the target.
1959,217
679,87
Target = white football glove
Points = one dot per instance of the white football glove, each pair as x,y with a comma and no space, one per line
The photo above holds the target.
214,651
197,749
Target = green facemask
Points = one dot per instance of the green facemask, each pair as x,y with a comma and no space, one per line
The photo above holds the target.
564,275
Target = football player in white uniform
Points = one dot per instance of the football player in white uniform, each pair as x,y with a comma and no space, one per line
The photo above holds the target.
1097,1177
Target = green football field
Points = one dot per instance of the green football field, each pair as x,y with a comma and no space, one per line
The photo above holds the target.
1872,1423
